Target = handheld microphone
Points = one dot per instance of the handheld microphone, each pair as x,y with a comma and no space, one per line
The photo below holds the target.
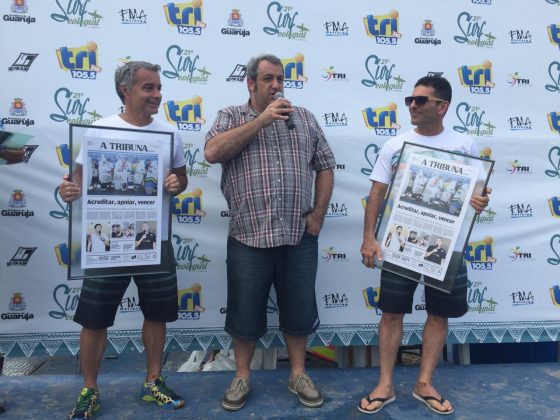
289,122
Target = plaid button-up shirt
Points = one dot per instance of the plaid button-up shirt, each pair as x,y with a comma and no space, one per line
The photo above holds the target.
268,185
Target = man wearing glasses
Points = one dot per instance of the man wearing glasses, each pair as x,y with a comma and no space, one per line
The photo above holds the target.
428,105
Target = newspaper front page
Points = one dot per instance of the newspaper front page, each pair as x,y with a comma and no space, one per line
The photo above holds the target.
427,214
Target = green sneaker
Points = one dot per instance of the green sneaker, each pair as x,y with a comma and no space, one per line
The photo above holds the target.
87,404
161,394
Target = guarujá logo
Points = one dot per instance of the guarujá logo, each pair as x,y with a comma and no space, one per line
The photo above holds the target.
186,17
384,28
80,61
284,21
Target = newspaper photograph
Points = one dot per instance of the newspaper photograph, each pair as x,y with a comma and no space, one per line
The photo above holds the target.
122,188
427,214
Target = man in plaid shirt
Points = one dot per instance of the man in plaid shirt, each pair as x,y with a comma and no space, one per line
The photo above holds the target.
268,171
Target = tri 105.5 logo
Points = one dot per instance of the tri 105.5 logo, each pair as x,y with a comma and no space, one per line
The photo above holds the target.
188,207
554,121
382,119
472,31
294,72
82,62
186,17
371,298
190,303
477,78
480,254
186,114
553,32
384,28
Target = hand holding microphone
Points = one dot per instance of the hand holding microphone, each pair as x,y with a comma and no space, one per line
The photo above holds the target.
289,122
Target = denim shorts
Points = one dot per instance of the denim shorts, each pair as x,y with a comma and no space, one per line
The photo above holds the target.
101,297
397,292
250,274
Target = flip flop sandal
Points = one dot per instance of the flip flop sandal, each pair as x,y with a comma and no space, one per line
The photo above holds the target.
383,401
426,399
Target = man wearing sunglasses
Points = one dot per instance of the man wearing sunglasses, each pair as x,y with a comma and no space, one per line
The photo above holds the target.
428,105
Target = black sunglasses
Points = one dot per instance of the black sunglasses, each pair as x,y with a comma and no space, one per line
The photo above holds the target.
421,100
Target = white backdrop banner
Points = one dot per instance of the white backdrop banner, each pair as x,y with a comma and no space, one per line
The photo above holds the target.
351,64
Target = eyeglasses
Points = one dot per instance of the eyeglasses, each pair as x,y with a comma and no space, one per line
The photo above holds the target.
421,100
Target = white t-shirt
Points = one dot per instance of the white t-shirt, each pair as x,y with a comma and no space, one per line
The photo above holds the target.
178,155
390,153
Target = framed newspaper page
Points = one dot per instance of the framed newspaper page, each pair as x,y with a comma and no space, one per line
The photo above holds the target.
425,224
116,227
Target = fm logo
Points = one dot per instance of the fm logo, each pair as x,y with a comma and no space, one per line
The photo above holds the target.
186,114
554,206
133,16
384,28
479,254
472,121
554,121
80,61
554,74
294,76
336,28
190,303
520,123
554,34
187,17
472,31
188,207
335,119
383,119
283,21
371,298
555,295
478,78
520,36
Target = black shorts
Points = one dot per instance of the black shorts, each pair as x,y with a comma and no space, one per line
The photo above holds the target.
101,297
397,292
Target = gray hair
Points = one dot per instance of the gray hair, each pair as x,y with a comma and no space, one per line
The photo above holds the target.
125,75
253,64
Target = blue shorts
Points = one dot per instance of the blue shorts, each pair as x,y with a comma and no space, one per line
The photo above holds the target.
250,274
101,296
397,292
